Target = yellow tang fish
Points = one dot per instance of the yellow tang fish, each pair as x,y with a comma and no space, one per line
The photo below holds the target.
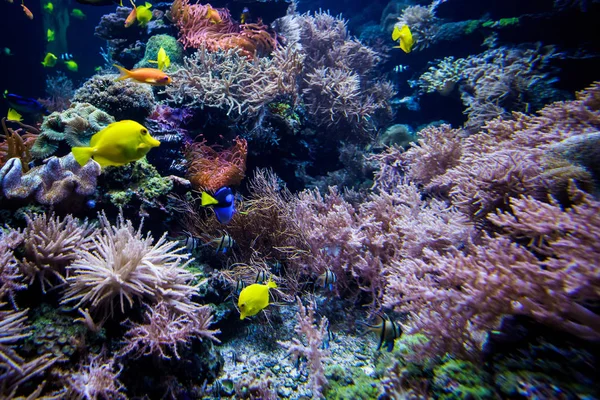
71,65
50,35
49,60
254,298
118,144
405,38
49,7
162,59
143,14
77,13
13,115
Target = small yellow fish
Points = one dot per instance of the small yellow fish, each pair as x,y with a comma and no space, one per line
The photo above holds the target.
118,144
49,7
162,59
13,115
405,38
213,15
50,35
77,13
49,60
71,65
254,298
143,14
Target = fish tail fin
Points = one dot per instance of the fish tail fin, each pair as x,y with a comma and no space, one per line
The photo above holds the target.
125,73
271,284
208,200
82,154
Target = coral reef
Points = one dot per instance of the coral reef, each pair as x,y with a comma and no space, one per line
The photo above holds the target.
125,268
229,81
72,127
59,90
17,144
211,169
58,180
423,24
98,378
121,99
50,245
153,45
197,29
166,329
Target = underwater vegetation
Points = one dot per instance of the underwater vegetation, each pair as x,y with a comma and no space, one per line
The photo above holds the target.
267,199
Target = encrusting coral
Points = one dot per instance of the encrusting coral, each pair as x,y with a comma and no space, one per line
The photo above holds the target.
58,180
74,127
121,99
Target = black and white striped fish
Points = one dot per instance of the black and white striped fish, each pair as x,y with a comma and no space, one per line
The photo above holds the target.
261,276
327,278
387,330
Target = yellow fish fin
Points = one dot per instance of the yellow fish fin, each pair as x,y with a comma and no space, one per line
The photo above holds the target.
148,5
271,284
82,154
208,200
396,33
125,73
105,162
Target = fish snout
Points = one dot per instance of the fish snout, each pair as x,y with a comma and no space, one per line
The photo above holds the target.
153,142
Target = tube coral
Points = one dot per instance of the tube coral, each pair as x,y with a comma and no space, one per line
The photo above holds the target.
210,169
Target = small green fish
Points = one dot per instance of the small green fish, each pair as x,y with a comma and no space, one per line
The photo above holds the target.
49,60
77,13
50,35
49,7
71,65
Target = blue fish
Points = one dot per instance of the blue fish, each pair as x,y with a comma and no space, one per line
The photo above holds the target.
25,105
222,203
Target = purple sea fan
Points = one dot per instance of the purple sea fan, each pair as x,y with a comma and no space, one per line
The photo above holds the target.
165,329
126,267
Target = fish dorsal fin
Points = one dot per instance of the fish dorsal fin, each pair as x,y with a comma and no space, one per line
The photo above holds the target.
208,200
97,135
396,33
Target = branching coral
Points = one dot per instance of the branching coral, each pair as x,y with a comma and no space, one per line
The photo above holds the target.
313,334
457,297
60,89
510,157
97,379
17,144
165,330
357,243
75,126
50,245
231,82
210,169
197,29
58,180
124,267
339,85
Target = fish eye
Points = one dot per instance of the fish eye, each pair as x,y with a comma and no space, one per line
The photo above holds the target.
144,131
242,305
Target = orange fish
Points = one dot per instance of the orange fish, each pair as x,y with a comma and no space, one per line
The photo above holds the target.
27,11
152,76
213,15
132,16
